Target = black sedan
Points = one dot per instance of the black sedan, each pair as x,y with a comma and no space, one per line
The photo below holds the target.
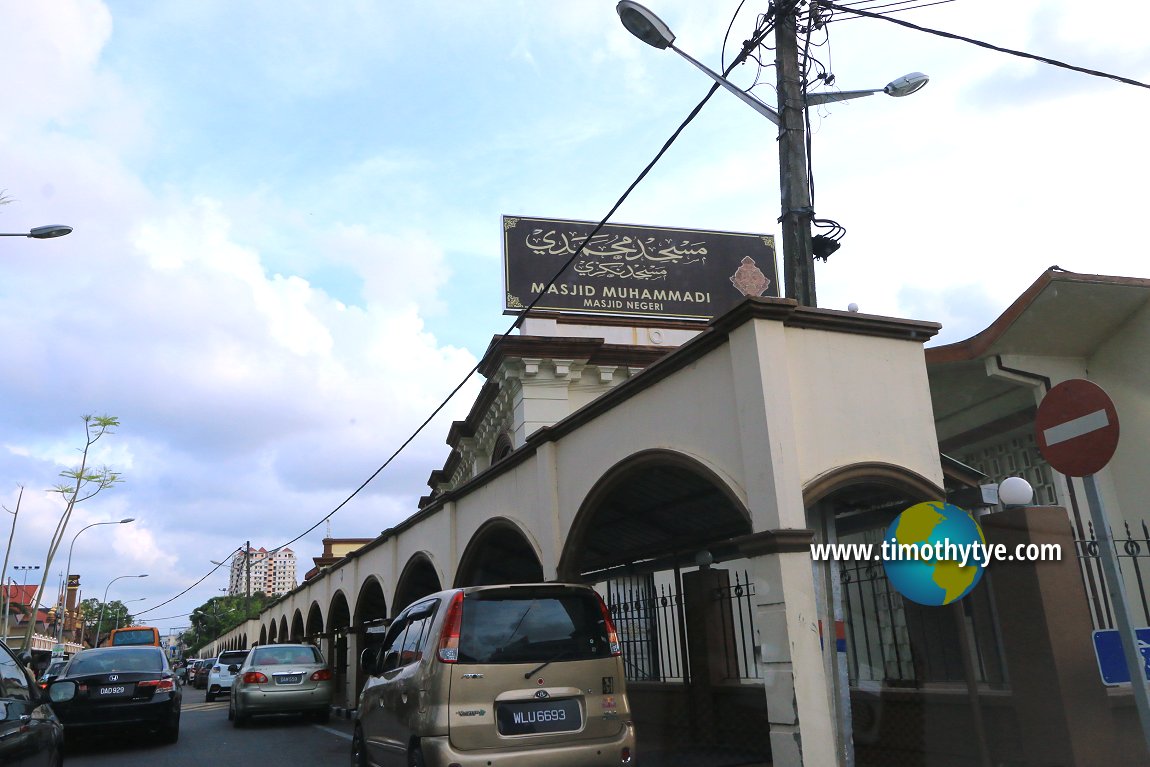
121,688
30,734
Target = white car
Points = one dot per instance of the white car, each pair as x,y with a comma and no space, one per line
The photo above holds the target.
223,672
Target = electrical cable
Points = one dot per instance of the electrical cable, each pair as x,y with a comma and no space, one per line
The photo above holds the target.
748,46
988,46
895,10
727,36
189,588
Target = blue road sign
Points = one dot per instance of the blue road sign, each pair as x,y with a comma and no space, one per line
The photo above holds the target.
1112,662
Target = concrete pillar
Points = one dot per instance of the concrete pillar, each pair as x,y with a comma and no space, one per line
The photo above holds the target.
710,642
795,681
1061,705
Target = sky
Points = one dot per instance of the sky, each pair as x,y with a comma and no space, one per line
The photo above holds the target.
287,242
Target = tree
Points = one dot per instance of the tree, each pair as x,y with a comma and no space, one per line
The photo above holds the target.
81,483
115,614
219,615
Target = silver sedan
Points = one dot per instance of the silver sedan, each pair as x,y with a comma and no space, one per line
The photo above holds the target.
281,678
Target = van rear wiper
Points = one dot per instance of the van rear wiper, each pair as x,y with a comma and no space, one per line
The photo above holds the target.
545,664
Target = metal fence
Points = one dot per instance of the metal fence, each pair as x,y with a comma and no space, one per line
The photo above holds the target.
1133,552
649,615
892,640
737,609
650,622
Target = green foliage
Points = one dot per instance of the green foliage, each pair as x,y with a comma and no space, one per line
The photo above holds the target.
219,615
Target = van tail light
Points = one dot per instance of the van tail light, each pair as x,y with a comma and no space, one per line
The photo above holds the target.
449,635
323,675
161,685
612,635
254,677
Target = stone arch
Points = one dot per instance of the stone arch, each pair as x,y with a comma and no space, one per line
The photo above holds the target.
314,627
499,552
856,504
297,633
370,604
645,536
263,634
283,629
503,447
419,578
273,632
896,478
336,650
657,504
369,619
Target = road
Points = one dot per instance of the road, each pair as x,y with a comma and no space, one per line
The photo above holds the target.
208,738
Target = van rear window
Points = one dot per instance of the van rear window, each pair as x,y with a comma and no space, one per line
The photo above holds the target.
506,627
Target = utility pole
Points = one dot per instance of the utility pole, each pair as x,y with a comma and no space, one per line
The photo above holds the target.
795,221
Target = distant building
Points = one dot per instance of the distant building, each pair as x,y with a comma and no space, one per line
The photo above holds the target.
272,572
334,549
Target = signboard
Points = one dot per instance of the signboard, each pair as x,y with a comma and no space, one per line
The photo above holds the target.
1077,428
655,272
1111,662
73,581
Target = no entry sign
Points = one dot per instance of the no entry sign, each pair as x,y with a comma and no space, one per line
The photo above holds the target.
1077,428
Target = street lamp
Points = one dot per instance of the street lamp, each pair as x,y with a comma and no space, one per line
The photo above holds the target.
128,601
61,619
42,232
104,603
794,183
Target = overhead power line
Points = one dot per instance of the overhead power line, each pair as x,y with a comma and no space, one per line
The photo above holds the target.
982,44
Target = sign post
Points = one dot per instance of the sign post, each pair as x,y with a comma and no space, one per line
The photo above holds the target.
1077,432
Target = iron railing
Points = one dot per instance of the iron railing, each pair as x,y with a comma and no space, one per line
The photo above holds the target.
1133,552
649,613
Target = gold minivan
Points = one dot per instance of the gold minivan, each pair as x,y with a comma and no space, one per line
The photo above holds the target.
517,675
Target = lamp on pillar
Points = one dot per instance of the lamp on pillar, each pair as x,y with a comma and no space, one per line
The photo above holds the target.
1015,491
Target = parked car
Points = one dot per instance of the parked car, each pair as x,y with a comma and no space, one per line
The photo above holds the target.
118,687
51,673
281,678
222,673
527,674
193,668
202,672
30,733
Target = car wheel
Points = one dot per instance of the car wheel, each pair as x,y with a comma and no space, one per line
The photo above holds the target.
239,718
208,697
415,758
171,732
231,711
358,752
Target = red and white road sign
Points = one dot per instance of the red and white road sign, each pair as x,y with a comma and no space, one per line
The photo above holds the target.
1077,427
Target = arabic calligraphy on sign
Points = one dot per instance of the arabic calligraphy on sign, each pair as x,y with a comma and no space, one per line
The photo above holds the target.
617,255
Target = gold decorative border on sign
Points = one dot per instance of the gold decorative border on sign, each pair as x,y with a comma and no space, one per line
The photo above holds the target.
510,223
513,302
